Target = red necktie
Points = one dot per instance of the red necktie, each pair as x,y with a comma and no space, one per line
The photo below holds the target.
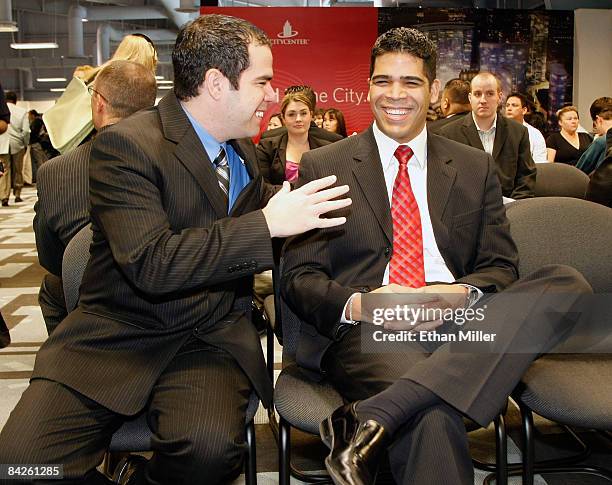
406,267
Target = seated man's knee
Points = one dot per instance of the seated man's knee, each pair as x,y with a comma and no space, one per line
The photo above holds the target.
566,278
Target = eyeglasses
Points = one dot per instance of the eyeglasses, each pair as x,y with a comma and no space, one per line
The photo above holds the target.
91,91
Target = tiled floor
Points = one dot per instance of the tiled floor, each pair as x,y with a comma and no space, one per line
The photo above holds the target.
20,277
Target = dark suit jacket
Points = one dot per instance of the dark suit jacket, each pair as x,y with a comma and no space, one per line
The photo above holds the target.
272,153
166,263
323,268
515,167
435,125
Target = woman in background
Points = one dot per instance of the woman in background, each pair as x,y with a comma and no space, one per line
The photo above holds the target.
279,156
66,134
275,121
318,117
333,120
567,145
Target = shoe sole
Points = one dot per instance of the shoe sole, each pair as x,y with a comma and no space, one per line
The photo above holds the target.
325,431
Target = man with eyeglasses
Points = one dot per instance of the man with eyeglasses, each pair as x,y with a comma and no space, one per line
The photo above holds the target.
505,140
62,209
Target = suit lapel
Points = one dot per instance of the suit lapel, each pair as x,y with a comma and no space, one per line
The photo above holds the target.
245,150
501,133
370,177
441,177
190,152
471,133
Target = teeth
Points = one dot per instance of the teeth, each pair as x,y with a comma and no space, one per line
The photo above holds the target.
396,111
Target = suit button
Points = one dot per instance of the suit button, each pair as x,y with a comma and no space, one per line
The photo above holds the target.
387,251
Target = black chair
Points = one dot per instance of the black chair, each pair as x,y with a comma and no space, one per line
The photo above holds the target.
135,435
560,180
600,184
571,389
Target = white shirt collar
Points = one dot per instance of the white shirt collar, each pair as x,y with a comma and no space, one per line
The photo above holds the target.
387,147
493,126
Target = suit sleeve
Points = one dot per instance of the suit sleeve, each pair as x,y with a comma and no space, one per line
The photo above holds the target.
496,256
306,269
48,243
524,181
264,159
126,204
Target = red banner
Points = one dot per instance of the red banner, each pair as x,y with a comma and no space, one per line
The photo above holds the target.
326,48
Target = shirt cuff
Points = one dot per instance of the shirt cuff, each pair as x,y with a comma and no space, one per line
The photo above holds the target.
348,302
474,294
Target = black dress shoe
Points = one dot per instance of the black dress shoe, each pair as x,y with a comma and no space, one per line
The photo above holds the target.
5,202
18,199
356,447
129,470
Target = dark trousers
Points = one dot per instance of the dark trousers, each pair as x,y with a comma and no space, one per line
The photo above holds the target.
432,447
52,302
196,411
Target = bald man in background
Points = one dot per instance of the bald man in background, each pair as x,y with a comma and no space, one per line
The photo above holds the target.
504,139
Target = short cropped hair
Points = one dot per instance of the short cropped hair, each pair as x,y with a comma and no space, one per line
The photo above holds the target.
408,41
127,86
521,97
601,107
457,91
300,97
212,42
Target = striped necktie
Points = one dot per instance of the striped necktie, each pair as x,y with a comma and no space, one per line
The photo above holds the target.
223,173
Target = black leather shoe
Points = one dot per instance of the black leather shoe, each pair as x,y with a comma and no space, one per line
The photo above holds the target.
129,470
356,447
18,199
5,202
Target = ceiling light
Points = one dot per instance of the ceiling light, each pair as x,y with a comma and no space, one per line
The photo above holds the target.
159,77
57,90
8,26
165,87
165,82
51,79
34,45
84,20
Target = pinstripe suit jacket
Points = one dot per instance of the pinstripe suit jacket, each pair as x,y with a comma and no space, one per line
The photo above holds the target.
166,263
323,268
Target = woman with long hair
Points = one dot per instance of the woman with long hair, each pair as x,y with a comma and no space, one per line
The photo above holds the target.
333,120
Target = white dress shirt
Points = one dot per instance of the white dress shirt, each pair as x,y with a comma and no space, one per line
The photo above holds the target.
17,136
537,144
487,137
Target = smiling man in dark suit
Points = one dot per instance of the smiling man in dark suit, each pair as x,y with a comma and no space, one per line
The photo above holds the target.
163,322
62,209
427,224
504,139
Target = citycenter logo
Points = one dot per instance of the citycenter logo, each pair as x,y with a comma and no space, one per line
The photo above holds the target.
288,36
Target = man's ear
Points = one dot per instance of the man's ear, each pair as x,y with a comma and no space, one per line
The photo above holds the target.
434,91
215,83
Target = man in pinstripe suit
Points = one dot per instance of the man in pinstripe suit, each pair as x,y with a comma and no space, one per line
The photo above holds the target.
162,323
414,393
62,209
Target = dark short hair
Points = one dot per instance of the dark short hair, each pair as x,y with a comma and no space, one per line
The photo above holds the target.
521,97
457,91
307,90
212,42
127,86
599,106
10,96
408,41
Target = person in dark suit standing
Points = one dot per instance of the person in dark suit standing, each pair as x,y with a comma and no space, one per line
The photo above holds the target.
506,140
427,225
162,323
62,209
454,103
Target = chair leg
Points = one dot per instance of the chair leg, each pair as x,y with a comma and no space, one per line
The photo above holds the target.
528,446
250,472
501,451
284,452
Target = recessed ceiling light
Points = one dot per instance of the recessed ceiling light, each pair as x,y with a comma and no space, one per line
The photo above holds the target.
57,90
159,77
165,87
51,79
167,81
8,25
34,45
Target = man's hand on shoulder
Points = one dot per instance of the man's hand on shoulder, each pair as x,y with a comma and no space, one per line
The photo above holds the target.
292,212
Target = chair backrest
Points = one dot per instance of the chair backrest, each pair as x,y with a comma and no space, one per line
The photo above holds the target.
560,180
564,230
74,262
600,184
